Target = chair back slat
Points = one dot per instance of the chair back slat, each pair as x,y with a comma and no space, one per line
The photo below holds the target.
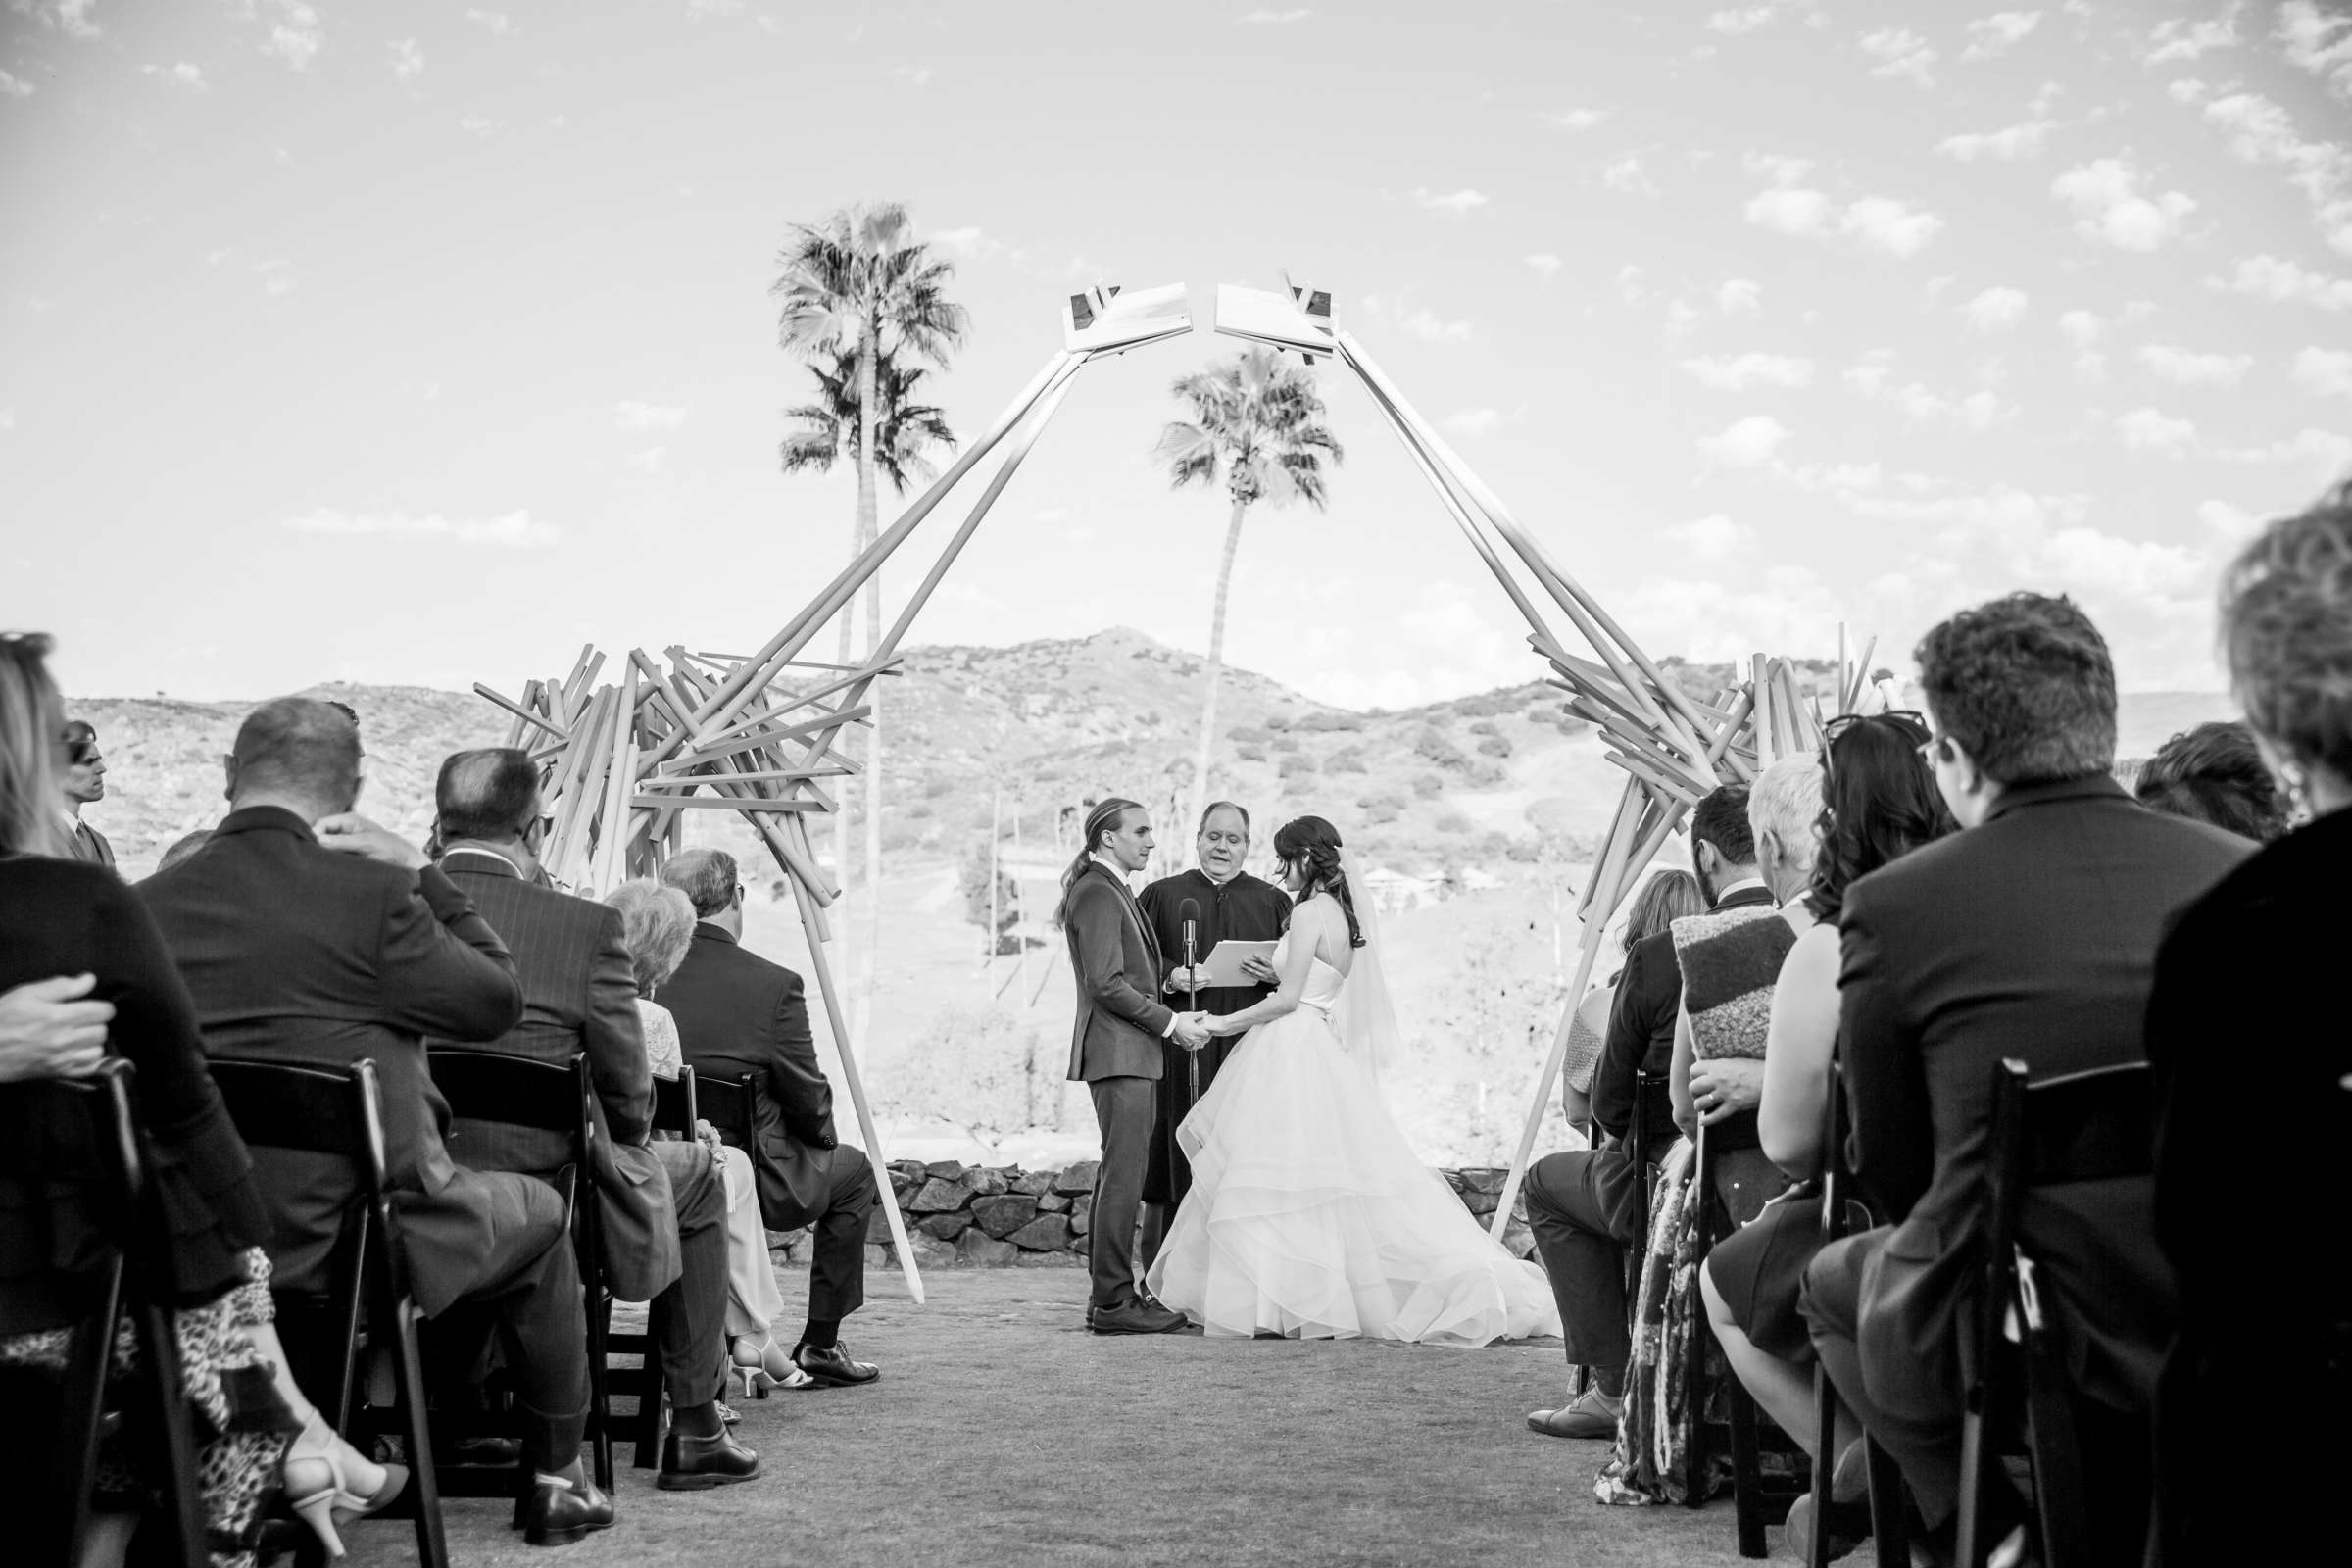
493,1086
2089,1126
730,1104
676,1104
80,1130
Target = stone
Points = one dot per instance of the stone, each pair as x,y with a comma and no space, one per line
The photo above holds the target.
986,1183
940,1197
1518,1240
946,1170
1048,1233
1454,1179
1034,1182
1054,1203
1082,1215
1487,1178
1002,1215
1047,1261
879,1259
929,1252
947,1227
1478,1203
913,1170
877,1229
976,1247
1078,1178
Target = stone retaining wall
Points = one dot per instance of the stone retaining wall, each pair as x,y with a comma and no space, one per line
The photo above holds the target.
989,1217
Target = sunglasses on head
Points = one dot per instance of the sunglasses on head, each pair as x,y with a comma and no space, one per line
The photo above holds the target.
1910,720
79,753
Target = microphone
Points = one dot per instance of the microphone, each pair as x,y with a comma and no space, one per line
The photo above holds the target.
1189,911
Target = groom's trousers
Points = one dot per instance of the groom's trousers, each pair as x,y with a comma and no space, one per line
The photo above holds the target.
1123,1109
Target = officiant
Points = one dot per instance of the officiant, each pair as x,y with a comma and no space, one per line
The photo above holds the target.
1234,907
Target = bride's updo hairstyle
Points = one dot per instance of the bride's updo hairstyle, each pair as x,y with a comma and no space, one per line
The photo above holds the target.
1313,845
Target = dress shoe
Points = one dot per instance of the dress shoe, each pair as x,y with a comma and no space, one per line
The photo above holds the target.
1590,1414
1847,1523
555,1512
832,1368
322,1475
763,1365
689,1464
488,1451
1135,1318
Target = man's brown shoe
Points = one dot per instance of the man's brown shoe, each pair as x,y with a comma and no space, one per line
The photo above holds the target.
1590,1414
1135,1318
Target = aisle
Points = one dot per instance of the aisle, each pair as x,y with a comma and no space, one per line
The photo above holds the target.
1003,1434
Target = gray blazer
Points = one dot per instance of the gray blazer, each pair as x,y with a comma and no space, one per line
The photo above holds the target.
1117,962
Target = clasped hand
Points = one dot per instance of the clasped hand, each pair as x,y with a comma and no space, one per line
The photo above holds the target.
52,1029
1723,1086
1191,1030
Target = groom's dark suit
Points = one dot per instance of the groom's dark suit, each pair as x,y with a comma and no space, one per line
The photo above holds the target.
1115,1052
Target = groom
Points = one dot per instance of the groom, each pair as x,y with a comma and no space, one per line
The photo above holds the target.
1115,1051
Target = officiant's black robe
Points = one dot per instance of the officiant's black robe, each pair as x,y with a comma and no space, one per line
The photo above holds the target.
1244,908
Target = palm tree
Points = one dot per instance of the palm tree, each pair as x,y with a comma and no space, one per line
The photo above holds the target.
829,429
1260,422
860,288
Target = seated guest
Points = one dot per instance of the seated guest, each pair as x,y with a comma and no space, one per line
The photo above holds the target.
84,975
658,924
2215,773
1666,897
662,1204
2255,964
184,847
308,933
2030,934
1730,960
738,1014
83,782
1882,801
1584,1205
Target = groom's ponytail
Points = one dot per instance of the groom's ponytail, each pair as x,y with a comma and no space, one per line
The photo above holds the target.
1101,819
1316,843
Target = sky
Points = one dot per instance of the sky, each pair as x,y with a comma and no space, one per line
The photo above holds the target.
425,343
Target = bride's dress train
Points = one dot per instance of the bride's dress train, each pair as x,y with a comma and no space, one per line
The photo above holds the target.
1311,1215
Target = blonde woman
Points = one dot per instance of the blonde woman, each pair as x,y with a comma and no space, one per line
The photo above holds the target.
658,924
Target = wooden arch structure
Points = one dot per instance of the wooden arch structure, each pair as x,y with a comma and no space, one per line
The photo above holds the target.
627,758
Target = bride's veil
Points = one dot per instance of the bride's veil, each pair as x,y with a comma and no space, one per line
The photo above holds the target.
1364,1018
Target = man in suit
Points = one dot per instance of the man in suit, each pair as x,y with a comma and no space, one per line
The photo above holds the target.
308,933
1585,1205
84,784
662,1204
1115,1051
2030,934
738,1014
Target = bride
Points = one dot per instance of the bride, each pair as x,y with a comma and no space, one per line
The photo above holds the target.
1310,1214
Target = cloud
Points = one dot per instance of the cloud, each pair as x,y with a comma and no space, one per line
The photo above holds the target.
68,17
1574,118
1711,538
2325,372
1992,35
1453,203
2189,37
1397,314
1738,296
2146,431
2081,328
1746,19
915,76
516,530
182,74
1626,175
296,34
1900,54
2285,283
1884,224
1790,209
1922,404
1739,373
482,125
1868,374
277,276
1995,310
14,87
2328,453
497,23
1747,443
2010,144
2108,205
1543,263
2170,363
2318,42
8,420
1478,423
408,59
1265,17
631,414
2263,134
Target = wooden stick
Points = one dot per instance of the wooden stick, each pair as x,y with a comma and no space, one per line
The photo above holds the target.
721,803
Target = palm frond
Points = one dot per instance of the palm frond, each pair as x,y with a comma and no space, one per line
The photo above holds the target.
1261,420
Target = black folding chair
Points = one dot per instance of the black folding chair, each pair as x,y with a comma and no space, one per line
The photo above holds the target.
674,1111
2096,1125
1753,1506
338,1111
557,1098
1889,1520
83,1134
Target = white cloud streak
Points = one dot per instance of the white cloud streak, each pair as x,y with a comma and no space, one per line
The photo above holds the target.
514,530
2168,362
2110,206
1737,373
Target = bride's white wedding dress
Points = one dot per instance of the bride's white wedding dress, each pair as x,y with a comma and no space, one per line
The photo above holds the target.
1311,1216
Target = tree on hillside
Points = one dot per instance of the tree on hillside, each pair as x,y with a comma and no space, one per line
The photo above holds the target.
860,291
1257,422
829,429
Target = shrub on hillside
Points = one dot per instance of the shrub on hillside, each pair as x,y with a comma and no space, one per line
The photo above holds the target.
1385,806
1485,726
1325,724
1347,759
1251,752
1494,745
1452,822
1484,775
1298,764
1278,721
1286,742
1245,733
1429,786
1433,747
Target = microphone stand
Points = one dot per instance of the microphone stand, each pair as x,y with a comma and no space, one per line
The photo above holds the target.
1192,989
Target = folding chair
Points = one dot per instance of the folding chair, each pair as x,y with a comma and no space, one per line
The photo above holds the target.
83,1133
557,1098
674,1111
338,1111
2096,1125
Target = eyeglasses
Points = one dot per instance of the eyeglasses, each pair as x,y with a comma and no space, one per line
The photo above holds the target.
82,752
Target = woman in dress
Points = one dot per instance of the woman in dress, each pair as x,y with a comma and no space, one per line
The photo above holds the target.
257,1432
1309,1215
658,924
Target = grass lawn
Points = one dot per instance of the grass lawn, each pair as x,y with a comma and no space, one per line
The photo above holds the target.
1002,1433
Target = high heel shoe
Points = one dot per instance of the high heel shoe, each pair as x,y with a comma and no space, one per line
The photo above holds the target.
765,1366
321,1472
